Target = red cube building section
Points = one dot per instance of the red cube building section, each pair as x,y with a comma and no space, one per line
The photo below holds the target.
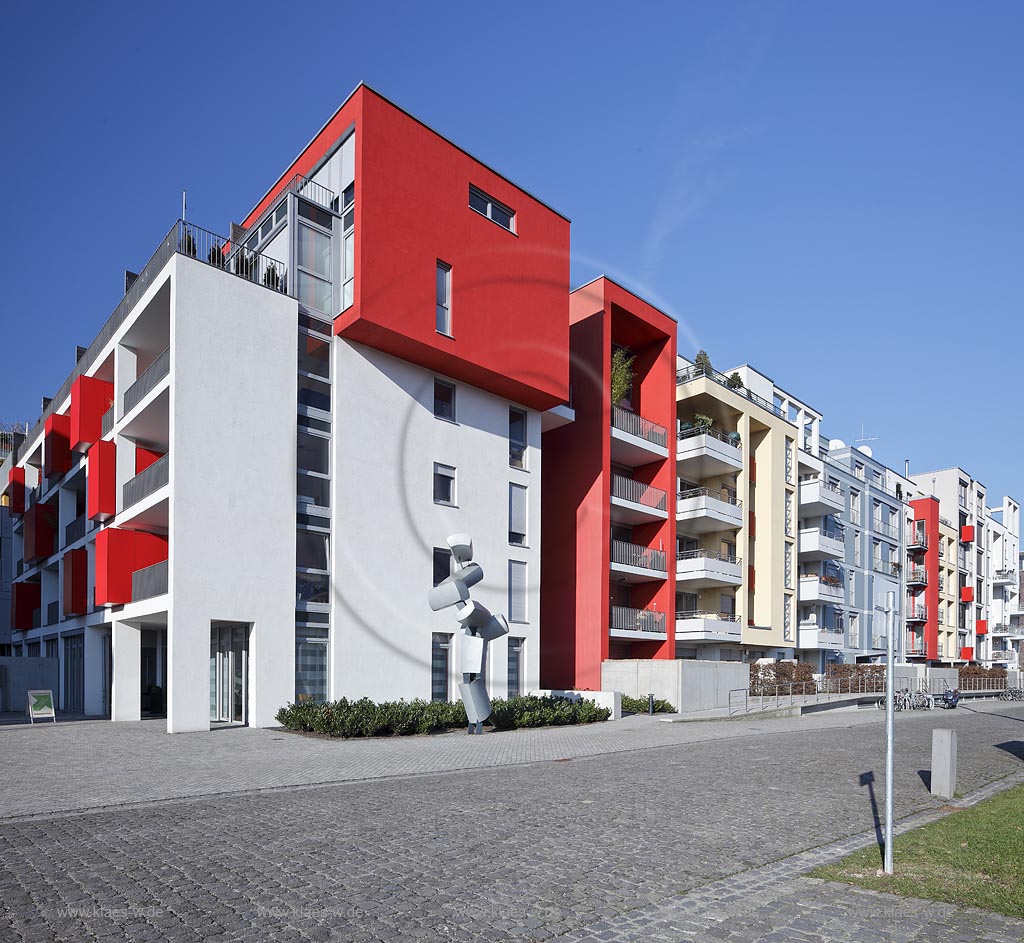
981,627
56,445
101,481
119,553
16,490
76,582
966,594
967,653
25,602
967,533
40,532
91,397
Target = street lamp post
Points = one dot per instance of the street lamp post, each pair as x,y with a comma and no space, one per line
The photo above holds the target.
890,722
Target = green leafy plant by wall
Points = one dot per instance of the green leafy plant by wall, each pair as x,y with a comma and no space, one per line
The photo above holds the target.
638,705
703,422
622,374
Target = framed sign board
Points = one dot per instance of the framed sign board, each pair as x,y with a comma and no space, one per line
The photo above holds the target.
40,706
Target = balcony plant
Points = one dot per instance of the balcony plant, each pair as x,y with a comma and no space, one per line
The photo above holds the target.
216,256
187,243
703,361
735,381
703,422
622,374
271,278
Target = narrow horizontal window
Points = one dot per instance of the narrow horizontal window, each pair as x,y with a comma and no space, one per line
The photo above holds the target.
491,208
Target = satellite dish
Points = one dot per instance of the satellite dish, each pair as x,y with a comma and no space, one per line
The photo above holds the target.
866,449
835,444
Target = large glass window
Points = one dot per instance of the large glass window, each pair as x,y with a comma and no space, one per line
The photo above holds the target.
315,251
441,645
314,453
315,356
310,664
314,292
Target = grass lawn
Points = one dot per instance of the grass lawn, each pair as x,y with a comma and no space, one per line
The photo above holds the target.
973,858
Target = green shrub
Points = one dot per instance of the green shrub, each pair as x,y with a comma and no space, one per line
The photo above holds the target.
366,718
638,705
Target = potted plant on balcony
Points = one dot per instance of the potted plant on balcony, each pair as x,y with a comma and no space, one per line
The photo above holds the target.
703,422
216,256
735,381
622,374
702,362
187,243
271,278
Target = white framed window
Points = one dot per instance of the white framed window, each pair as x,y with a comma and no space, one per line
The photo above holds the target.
517,514
517,419
488,206
444,400
515,666
442,563
443,292
440,660
444,485
517,608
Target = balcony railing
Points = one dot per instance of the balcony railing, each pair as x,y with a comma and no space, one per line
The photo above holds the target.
722,496
917,539
832,582
150,581
645,558
626,619
702,614
886,530
886,567
698,370
148,379
188,240
637,492
146,482
107,422
832,486
917,574
706,555
730,438
917,614
52,613
627,421
75,530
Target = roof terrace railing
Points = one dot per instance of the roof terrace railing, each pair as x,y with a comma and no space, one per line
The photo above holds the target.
697,370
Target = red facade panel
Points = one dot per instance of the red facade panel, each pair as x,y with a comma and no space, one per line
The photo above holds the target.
144,458
91,397
967,653
25,601
927,510
16,490
967,534
966,594
119,553
76,578
981,627
56,445
40,532
101,481
752,525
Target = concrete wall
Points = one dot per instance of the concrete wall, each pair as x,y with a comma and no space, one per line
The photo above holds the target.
687,685
610,699
385,524
27,674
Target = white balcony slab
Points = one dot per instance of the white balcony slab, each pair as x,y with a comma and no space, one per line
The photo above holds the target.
705,513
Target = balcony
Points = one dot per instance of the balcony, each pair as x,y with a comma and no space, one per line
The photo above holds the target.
915,646
633,502
642,624
146,482
819,543
146,381
703,510
698,626
814,636
892,531
917,539
150,581
818,496
817,588
637,564
635,440
75,530
703,452
917,614
698,370
1006,655
700,568
1003,577
917,576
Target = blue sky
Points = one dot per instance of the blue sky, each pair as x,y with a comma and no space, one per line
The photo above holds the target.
831,192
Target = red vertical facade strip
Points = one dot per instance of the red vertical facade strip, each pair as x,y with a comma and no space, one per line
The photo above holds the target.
16,490
76,575
90,399
114,558
148,549
101,481
56,445
40,532
927,510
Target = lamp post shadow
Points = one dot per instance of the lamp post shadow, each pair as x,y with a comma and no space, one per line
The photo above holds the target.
868,779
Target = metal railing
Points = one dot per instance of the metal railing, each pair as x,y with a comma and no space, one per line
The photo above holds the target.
626,420
146,482
150,581
917,614
886,567
698,370
1010,574
832,582
243,262
146,380
628,554
729,438
627,619
824,483
917,574
636,491
107,422
887,530
797,693
75,530
722,496
915,539
703,614
301,186
707,555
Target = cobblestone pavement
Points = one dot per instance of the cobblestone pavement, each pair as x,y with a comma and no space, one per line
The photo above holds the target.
703,834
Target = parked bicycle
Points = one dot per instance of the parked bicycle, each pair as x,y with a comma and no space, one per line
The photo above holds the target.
907,700
1012,694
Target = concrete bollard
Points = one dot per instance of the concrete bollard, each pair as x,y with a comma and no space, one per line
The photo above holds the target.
943,763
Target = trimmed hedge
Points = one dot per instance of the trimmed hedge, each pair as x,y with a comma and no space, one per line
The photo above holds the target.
638,705
366,718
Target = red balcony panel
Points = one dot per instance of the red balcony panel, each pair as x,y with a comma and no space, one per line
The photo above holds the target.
981,627
25,600
752,525
967,652
966,594
967,533
101,481
56,445
91,397
144,458
40,532
119,553
76,578
149,549
16,490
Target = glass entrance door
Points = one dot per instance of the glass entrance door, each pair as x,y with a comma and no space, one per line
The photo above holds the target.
229,673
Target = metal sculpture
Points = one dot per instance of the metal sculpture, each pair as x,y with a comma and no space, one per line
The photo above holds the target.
478,625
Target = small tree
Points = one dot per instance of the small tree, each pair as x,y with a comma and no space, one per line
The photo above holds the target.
702,360
703,422
622,374
187,245
735,381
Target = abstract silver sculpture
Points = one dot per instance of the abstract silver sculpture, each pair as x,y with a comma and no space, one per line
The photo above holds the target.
479,627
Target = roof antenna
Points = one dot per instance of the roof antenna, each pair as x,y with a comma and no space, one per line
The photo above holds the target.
864,438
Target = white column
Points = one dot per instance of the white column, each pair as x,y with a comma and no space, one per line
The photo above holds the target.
187,670
126,696
94,679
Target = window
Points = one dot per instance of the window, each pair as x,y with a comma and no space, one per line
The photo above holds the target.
315,491
312,587
517,437
314,393
51,648
444,484
442,564
313,453
517,512
310,664
311,552
517,591
440,648
444,400
314,356
444,299
515,666
488,206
